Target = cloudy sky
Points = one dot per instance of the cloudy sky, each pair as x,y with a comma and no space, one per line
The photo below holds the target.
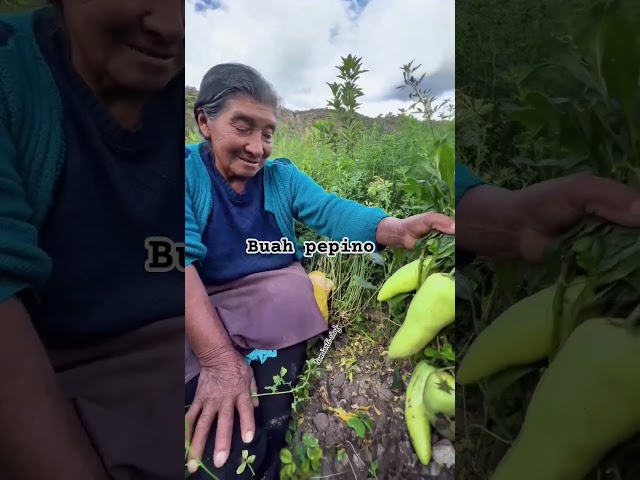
296,45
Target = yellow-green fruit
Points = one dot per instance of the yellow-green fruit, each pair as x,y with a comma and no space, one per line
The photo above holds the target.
520,336
440,394
405,279
432,309
322,288
416,414
586,404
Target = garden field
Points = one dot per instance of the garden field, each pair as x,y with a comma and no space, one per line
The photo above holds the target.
349,419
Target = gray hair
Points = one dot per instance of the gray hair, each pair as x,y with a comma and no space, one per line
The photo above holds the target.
228,81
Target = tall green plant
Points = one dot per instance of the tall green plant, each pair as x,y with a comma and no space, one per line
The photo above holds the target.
431,180
424,103
346,128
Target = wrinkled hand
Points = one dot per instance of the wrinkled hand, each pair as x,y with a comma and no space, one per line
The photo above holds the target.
406,232
225,384
551,208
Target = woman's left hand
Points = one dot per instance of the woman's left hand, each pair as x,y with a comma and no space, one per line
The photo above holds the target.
406,232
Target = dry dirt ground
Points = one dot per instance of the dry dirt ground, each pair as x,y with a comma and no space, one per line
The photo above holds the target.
357,377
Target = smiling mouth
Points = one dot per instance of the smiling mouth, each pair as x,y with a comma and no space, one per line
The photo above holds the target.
250,162
155,54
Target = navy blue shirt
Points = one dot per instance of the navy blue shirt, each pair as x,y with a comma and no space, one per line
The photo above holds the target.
117,188
234,218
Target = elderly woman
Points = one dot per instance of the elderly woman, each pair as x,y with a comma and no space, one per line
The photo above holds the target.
248,315
255,308
91,100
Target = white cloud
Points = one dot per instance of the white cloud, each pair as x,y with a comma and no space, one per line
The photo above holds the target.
296,45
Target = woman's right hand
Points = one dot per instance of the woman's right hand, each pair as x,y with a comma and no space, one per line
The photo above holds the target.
226,383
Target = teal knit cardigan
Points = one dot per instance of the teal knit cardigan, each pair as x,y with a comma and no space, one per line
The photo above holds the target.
289,194
31,154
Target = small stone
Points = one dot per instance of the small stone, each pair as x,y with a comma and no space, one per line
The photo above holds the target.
347,391
338,380
327,467
434,469
321,421
384,393
360,400
332,438
358,463
444,453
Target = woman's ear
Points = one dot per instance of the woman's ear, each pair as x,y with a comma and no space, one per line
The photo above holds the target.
203,125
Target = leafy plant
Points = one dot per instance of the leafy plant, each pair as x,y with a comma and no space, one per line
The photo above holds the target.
346,128
303,462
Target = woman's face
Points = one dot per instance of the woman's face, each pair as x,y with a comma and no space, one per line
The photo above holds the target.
129,45
241,137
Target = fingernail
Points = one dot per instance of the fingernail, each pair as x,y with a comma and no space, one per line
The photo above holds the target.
220,459
453,226
248,437
635,208
192,466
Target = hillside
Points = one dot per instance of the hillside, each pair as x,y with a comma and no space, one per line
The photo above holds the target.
296,120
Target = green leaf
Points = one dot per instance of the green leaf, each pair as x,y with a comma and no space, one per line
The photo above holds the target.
314,453
377,259
357,425
241,468
545,110
284,473
529,118
362,283
446,160
397,380
370,425
251,459
285,456
397,300
430,352
448,353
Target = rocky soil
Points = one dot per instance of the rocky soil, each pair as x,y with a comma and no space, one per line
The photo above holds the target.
367,385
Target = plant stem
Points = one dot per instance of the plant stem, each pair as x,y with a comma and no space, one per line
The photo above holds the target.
559,330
